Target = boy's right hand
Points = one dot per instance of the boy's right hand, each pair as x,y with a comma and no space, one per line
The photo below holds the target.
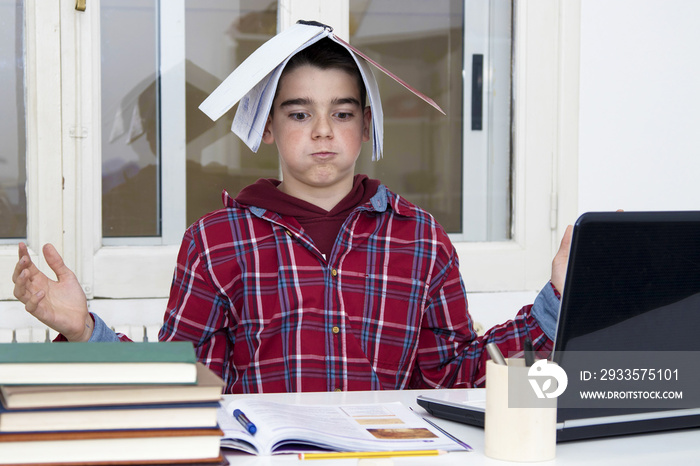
60,304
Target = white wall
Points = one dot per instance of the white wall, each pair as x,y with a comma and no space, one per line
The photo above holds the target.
639,105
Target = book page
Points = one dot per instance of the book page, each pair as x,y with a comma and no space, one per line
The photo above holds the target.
287,428
258,65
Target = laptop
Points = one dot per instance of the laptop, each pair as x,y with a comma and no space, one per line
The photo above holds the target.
632,288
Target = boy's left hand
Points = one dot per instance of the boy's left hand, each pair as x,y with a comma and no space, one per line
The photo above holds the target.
561,260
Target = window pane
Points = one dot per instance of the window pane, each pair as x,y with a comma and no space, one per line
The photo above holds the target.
130,155
220,34
428,154
13,201
422,43
456,169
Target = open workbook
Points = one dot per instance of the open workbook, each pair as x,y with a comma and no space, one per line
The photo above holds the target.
289,428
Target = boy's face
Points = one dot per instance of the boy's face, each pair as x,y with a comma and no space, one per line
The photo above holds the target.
319,127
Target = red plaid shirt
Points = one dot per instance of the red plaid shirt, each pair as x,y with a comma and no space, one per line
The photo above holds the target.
386,309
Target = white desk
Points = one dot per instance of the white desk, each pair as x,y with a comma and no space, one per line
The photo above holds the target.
667,448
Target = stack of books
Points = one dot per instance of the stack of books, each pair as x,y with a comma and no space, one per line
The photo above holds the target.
107,403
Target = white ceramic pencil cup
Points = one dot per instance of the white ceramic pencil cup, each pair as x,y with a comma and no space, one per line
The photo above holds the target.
515,430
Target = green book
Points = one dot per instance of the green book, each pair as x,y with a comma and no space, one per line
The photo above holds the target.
97,363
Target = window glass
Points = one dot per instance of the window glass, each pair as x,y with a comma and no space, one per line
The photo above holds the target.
456,166
130,155
13,201
422,159
220,34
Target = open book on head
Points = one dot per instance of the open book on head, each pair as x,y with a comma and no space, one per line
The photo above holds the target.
289,428
254,83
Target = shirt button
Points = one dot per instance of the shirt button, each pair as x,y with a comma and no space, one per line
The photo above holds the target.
334,272
335,329
338,390
289,233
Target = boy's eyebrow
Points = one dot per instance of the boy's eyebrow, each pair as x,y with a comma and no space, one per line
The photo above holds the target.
346,100
297,101
307,101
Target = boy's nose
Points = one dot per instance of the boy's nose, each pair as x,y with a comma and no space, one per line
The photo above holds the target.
322,128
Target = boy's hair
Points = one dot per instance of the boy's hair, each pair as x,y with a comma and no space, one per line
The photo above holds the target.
327,54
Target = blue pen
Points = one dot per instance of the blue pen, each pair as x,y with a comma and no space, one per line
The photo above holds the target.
245,422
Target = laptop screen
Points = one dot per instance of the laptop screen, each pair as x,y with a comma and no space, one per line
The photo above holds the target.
632,284
632,291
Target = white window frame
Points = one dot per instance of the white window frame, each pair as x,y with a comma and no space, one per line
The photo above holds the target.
486,150
545,151
44,152
63,147
125,271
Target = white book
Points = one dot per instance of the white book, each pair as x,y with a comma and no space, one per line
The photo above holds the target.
254,82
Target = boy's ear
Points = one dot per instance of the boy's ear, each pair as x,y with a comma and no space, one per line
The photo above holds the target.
268,137
367,120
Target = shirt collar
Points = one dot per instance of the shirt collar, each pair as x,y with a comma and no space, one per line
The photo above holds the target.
380,202
385,199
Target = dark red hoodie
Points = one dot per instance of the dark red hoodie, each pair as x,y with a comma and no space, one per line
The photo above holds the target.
321,225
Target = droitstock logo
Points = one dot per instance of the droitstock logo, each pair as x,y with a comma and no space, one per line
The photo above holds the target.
541,376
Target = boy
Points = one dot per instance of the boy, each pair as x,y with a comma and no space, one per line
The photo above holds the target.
322,281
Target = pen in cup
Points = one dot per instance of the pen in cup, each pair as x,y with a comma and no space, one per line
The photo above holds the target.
495,353
245,422
529,352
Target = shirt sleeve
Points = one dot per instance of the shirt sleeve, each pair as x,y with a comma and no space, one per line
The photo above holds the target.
451,354
100,332
546,310
197,310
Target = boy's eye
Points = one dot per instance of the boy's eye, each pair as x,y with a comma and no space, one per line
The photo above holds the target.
343,115
298,116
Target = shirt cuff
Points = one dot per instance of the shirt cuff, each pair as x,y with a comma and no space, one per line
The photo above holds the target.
101,333
545,310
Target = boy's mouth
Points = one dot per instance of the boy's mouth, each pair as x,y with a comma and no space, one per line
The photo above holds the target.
323,154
